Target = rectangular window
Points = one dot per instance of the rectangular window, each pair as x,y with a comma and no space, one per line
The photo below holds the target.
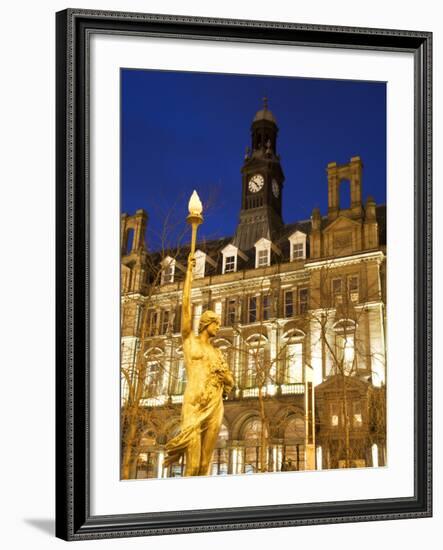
165,322
298,251
294,364
177,318
231,312
168,274
218,308
337,291
303,298
336,286
252,310
266,302
229,264
153,323
353,288
263,258
289,303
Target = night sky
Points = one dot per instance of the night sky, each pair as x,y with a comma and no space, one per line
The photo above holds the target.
183,131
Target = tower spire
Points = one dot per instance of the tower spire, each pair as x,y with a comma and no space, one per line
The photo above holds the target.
262,183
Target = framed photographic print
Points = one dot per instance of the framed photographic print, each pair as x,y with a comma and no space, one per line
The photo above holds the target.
243,274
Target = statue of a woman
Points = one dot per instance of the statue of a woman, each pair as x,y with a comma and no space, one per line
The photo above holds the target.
208,379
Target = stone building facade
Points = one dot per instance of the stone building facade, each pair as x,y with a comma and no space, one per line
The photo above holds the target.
303,310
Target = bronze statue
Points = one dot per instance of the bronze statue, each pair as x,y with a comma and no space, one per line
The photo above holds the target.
208,379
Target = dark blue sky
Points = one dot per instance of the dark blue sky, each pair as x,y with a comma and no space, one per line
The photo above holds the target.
183,131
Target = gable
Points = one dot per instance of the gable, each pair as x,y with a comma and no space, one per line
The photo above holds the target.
297,236
229,250
341,223
263,243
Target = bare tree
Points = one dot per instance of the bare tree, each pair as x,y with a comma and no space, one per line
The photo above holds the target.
339,315
335,320
144,370
263,374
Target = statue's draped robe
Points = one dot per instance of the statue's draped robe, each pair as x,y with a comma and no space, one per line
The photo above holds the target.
208,404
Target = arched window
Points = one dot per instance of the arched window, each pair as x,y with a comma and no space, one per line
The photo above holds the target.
345,340
293,340
255,369
294,444
253,438
155,381
294,363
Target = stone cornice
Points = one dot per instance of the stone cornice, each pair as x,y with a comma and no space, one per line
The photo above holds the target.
346,260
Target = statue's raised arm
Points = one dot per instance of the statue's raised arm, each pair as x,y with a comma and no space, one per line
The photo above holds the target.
187,307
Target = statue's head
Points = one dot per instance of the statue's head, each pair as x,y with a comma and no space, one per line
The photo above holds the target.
210,322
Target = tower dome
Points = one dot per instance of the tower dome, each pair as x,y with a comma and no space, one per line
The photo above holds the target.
265,113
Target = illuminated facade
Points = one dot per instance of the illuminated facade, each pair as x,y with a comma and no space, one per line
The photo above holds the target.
303,315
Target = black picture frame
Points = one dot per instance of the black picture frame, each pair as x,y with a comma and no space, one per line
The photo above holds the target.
74,521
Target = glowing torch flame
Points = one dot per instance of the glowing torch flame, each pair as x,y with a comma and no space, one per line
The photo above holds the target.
195,206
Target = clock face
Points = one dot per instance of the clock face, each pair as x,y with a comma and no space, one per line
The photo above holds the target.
256,183
275,188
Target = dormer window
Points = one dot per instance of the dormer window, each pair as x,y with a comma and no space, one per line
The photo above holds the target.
263,249
298,251
262,252
262,258
168,270
298,246
168,274
230,258
230,264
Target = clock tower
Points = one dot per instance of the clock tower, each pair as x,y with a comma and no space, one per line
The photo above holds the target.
262,183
